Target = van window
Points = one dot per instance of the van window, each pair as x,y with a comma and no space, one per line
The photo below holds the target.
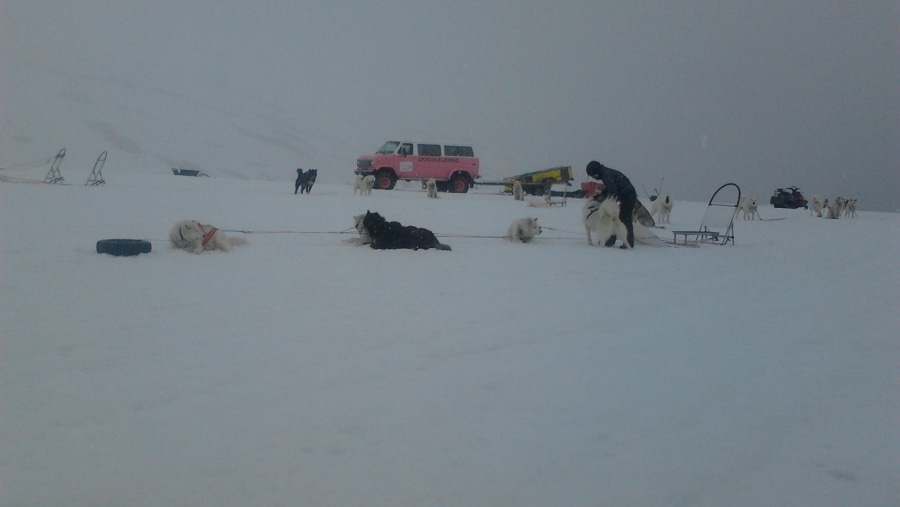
429,150
458,151
406,148
387,148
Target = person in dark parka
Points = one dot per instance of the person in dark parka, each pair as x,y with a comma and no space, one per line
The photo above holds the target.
618,187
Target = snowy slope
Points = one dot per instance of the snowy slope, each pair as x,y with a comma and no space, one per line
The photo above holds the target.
301,370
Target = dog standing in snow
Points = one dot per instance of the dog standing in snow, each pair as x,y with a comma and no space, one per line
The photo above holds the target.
850,208
601,215
748,206
195,237
836,207
305,180
517,191
815,206
661,207
523,230
431,188
363,184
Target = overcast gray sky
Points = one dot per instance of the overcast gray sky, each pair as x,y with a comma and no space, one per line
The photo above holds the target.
765,93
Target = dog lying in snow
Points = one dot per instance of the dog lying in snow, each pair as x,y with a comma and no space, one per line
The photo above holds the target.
749,206
363,184
392,235
601,215
431,188
195,237
364,238
523,230
661,208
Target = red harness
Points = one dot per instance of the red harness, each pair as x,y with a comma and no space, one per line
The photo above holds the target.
208,236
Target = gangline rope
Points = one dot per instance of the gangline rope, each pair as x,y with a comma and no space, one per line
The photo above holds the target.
352,231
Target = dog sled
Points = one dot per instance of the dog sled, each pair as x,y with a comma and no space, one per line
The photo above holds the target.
538,183
717,225
96,177
556,196
53,175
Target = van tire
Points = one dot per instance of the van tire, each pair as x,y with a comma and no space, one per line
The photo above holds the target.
459,184
123,247
385,180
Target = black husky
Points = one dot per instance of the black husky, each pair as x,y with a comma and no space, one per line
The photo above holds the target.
392,235
305,180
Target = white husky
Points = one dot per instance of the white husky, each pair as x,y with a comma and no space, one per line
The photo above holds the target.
836,207
749,206
518,192
815,206
601,215
523,230
850,208
363,184
193,236
661,208
431,188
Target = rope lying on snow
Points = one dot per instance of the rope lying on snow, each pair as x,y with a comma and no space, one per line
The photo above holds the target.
352,231
33,163
346,231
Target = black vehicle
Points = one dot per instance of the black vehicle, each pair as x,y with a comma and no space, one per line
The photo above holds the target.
789,197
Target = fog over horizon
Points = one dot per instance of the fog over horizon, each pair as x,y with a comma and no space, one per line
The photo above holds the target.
764,93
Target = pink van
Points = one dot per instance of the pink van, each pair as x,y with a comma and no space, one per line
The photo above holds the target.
455,167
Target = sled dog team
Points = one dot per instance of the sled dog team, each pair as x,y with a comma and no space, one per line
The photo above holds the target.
609,214
604,214
840,206
833,209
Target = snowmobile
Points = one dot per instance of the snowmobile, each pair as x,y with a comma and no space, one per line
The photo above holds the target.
789,197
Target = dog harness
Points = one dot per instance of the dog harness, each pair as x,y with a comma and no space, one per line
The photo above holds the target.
208,236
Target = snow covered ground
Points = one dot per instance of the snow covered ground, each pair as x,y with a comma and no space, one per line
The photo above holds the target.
301,370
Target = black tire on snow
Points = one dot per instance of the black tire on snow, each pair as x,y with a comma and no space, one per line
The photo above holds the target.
459,184
123,247
385,180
